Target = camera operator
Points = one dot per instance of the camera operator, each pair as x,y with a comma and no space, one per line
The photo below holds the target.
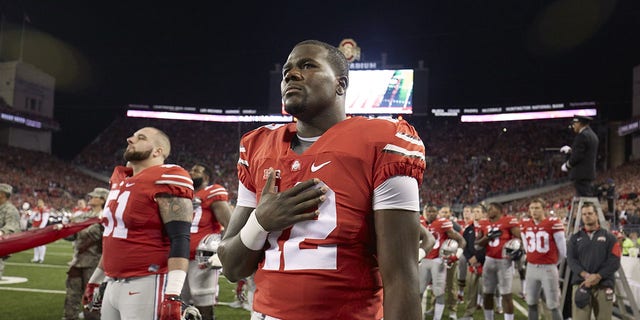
607,191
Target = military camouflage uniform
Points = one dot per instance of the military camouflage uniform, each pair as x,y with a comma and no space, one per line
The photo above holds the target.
9,223
87,249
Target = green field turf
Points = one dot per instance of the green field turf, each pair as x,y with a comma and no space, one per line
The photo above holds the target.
41,297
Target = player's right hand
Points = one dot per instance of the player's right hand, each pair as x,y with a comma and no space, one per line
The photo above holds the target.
565,149
421,254
88,293
95,304
171,308
279,210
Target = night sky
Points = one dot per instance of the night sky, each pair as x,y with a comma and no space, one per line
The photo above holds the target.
106,55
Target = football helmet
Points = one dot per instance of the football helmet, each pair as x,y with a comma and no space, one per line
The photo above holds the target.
191,313
449,252
207,247
449,248
512,249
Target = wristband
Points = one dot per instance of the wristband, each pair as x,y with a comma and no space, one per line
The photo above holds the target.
97,276
421,254
175,280
253,234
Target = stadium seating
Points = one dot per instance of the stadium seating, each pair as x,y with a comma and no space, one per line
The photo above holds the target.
466,162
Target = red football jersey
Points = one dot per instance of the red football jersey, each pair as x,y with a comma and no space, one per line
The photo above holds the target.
423,221
539,242
438,228
505,223
134,241
204,220
326,268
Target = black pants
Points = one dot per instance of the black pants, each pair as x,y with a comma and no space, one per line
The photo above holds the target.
584,188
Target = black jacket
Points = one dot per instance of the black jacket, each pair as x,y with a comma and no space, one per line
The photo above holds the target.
469,251
594,255
584,150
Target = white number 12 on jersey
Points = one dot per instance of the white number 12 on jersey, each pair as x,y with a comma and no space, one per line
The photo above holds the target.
295,258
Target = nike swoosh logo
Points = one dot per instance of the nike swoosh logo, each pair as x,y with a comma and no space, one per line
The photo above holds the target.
315,168
133,293
129,184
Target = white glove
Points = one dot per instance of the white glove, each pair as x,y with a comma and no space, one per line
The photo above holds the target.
421,254
565,149
214,262
564,167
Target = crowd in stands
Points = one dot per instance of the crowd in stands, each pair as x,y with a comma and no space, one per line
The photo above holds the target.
37,175
209,143
466,162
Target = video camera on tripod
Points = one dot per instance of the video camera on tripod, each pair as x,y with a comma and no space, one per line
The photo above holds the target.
607,190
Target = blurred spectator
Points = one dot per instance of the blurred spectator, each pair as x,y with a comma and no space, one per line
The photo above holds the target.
626,243
8,217
36,175
87,250
39,220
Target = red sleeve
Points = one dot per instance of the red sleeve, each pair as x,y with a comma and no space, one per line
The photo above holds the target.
174,180
214,193
400,152
244,175
616,250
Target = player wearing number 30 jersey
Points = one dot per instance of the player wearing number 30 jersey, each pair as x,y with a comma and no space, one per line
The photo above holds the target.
543,239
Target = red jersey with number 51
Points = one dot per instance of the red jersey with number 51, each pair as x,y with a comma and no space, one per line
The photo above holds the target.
134,241
327,268
539,242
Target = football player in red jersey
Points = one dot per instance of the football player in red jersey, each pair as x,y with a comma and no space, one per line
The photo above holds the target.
327,211
545,244
146,237
498,270
211,213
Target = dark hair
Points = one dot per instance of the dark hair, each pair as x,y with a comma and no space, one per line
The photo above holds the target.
206,170
335,57
496,205
589,204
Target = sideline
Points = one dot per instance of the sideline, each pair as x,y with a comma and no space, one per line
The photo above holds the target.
33,290
38,265
520,308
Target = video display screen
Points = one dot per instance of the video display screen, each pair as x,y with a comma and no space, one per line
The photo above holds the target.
380,92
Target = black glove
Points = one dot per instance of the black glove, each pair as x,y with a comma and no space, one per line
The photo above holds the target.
495,233
516,255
